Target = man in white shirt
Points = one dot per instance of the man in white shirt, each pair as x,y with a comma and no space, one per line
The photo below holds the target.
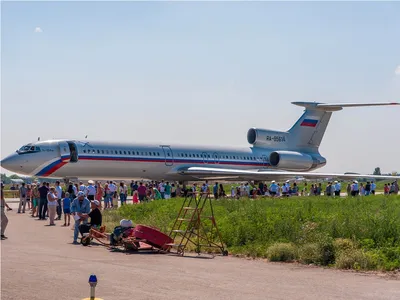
285,189
90,190
161,189
59,198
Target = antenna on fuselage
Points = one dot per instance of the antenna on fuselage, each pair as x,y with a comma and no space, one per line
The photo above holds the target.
38,138
86,137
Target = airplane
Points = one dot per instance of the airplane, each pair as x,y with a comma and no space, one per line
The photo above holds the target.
277,155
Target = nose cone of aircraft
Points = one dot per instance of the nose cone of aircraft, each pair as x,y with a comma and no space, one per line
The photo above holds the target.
12,163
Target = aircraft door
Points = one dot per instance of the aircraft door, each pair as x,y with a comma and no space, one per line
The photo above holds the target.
68,152
65,154
169,157
73,152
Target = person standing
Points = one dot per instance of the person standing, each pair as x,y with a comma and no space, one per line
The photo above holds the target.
222,193
373,188
338,187
58,191
142,192
132,187
167,193
66,202
123,193
35,200
28,195
43,191
173,190
215,190
52,205
22,198
90,190
4,219
99,193
161,189
112,191
80,206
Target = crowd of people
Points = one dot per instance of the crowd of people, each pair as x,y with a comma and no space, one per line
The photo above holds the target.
86,201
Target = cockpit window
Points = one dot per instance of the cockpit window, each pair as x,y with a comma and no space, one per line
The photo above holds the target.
28,149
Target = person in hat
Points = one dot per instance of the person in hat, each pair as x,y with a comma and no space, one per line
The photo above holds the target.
354,188
338,187
4,219
273,188
95,218
90,190
80,206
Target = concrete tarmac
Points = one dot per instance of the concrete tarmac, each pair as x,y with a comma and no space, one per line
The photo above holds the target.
39,262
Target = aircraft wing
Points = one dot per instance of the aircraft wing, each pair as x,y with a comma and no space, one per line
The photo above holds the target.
232,174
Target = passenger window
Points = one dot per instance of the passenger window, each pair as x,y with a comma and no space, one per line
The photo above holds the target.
98,151
129,152
150,153
84,151
154,153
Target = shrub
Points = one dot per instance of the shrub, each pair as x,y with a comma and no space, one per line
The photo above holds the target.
340,245
281,252
310,253
354,259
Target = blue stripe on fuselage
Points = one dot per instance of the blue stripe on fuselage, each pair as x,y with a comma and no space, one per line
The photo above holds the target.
174,160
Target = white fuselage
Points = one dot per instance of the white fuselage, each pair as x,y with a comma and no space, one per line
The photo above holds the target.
81,159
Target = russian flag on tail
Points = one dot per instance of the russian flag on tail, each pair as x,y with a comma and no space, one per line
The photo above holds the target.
309,122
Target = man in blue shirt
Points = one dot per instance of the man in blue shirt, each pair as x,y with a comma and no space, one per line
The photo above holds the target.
215,190
273,188
338,187
79,207
373,187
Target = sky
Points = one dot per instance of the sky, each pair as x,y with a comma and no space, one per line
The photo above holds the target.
201,73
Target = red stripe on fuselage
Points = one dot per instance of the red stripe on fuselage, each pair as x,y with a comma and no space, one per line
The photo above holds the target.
55,168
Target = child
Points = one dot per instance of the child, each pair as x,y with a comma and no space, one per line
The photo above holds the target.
66,203
135,197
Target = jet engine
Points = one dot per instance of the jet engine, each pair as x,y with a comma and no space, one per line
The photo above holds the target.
291,160
264,138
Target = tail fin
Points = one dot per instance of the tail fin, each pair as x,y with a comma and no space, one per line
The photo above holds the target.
307,133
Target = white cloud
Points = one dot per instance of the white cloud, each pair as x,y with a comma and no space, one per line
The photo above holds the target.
397,71
38,30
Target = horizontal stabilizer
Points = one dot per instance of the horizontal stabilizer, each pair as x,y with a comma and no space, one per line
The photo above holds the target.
339,106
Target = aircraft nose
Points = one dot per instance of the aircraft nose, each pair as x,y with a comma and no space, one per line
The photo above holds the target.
12,163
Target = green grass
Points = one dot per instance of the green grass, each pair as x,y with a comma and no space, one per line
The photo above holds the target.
356,233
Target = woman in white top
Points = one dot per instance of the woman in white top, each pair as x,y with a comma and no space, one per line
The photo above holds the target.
52,205
123,193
